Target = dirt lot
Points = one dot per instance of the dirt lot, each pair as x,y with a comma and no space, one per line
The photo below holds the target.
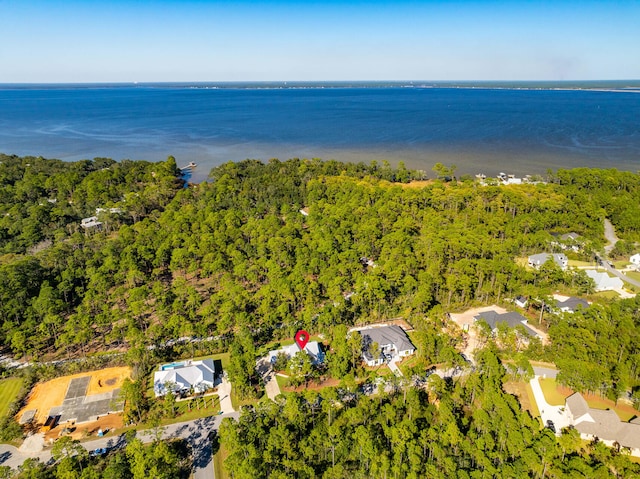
111,423
49,394
328,383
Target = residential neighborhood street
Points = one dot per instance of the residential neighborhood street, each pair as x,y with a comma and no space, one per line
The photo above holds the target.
196,432
620,275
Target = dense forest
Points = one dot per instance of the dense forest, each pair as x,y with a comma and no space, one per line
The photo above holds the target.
469,429
236,255
263,249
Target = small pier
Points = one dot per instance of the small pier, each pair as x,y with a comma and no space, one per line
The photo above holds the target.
190,166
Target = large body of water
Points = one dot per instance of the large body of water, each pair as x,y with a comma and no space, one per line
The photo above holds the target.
479,127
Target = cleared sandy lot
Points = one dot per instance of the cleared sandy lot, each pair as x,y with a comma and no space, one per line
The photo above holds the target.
51,394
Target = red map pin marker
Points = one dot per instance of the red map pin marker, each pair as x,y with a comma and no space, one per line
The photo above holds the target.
302,338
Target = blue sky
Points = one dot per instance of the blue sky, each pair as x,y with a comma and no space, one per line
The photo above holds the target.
119,41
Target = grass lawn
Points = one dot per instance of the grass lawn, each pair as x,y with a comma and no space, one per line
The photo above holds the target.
282,382
523,391
607,295
555,396
188,410
9,389
551,393
575,263
382,370
218,459
407,364
633,275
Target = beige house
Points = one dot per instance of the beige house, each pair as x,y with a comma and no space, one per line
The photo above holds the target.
605,425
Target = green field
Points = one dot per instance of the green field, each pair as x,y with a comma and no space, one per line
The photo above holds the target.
607,294
9,389
218,460
633,275
556,398
550,390
576,264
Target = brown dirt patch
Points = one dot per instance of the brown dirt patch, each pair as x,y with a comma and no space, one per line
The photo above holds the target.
327,383
105,380
623,409
109,423
49,394
416,184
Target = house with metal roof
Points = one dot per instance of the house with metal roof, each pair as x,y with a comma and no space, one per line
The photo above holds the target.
603,281
184,377
312,348
392,342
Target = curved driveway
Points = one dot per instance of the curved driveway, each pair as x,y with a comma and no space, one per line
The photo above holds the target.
556,414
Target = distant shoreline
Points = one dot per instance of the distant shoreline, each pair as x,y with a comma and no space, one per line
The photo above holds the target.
479,129
618,86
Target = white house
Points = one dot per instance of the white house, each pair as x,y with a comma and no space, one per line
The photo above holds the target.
635,260
392,341
312,348
184,376
603,281
602,424
90,222
537,260
520,302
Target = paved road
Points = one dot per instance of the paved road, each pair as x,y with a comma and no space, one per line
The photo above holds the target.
545,372
612,239
617,273
196,432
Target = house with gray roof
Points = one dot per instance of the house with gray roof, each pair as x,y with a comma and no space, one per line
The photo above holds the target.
511,319
570,236
537,260
392,341
605,425
571,304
